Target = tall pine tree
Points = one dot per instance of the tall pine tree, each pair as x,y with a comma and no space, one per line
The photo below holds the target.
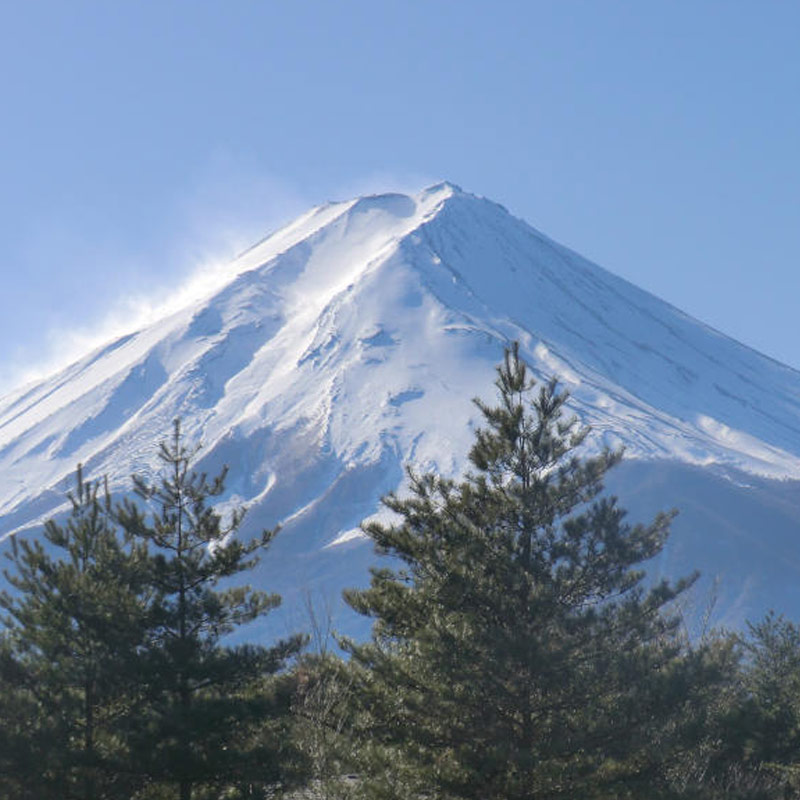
75,621
115,676
515,651
212,717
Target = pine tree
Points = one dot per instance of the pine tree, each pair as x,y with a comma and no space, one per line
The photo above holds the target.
212,717
721,760
22,743
115,678
74,623
762,737
516,652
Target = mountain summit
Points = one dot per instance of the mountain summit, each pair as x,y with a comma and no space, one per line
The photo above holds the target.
351,342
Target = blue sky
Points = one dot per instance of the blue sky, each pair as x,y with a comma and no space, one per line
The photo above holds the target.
144,140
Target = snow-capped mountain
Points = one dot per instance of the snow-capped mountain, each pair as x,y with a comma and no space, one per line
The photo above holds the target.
351,343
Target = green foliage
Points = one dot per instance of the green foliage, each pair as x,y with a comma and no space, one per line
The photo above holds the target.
323,718
773,685
73,628
747,716
116,679
198,708
515,651
764,734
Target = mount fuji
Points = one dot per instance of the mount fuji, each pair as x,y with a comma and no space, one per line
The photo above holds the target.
351,342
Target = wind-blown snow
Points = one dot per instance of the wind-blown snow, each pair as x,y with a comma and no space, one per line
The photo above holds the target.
351,343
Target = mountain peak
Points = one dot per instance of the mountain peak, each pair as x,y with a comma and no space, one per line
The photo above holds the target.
444,187
350,344
369,325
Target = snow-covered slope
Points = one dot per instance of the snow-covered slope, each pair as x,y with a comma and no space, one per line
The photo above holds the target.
352,341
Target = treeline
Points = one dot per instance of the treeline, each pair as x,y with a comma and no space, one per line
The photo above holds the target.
517,652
